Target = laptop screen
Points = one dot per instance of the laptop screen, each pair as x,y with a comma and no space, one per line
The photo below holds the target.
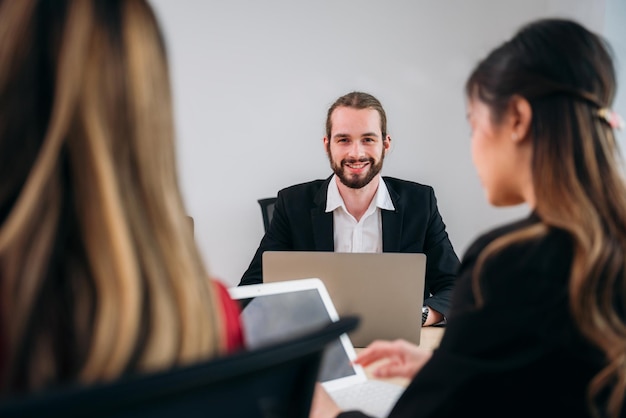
269,318
377,287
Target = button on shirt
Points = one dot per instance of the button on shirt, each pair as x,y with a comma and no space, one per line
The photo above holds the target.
366,235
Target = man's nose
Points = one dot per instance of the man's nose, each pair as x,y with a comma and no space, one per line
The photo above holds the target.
356,150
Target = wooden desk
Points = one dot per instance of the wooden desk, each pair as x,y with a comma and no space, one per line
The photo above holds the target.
429,338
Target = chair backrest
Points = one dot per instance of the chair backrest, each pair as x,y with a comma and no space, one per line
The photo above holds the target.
275,381
267,210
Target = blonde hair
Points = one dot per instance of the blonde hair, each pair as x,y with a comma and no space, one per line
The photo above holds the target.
577,177
99,271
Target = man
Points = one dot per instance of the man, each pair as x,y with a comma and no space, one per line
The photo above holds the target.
358,210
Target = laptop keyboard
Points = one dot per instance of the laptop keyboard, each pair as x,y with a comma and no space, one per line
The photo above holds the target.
372,397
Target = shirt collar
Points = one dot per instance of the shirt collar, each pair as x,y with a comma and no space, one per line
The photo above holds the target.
334,200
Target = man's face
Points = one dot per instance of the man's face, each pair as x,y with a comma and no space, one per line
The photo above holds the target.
356,148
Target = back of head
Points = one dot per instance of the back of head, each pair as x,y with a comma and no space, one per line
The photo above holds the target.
566,74
99,273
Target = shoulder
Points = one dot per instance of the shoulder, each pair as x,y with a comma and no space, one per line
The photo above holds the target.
513,274
486,238
525,261
410,194
551,238
400,185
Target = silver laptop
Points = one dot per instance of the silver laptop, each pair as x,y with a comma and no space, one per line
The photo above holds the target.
276,311
385,289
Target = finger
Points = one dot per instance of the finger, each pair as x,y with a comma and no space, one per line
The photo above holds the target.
393,369
376,351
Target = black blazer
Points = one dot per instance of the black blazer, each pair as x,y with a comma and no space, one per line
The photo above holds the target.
300,223
518,355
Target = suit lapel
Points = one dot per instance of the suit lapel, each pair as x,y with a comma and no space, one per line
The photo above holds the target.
392,223
322,221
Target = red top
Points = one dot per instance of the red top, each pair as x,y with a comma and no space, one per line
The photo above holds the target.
231,311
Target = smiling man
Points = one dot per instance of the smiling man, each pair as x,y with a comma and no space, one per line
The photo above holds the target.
358,210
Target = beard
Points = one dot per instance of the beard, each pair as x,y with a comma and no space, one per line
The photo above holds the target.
356,181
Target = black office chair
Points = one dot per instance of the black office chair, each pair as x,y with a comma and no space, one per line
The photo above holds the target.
267,210
191,224
271,382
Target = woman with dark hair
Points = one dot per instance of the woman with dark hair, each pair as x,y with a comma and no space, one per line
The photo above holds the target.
99,272
537,326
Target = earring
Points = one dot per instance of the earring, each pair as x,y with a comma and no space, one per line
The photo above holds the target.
514,136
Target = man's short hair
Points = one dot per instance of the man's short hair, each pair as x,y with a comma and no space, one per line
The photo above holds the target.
358,100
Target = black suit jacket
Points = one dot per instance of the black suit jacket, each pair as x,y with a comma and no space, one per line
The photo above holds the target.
300,223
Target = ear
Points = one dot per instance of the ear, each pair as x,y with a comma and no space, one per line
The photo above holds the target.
521,115
387,143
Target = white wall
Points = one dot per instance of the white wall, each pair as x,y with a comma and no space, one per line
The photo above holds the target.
253,79
615,33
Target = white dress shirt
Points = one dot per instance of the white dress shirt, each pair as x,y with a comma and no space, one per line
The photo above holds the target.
366,235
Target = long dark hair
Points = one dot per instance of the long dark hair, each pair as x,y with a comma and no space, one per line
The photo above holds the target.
566,73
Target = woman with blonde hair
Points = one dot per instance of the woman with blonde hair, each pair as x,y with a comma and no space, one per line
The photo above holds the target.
538,322
99,272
